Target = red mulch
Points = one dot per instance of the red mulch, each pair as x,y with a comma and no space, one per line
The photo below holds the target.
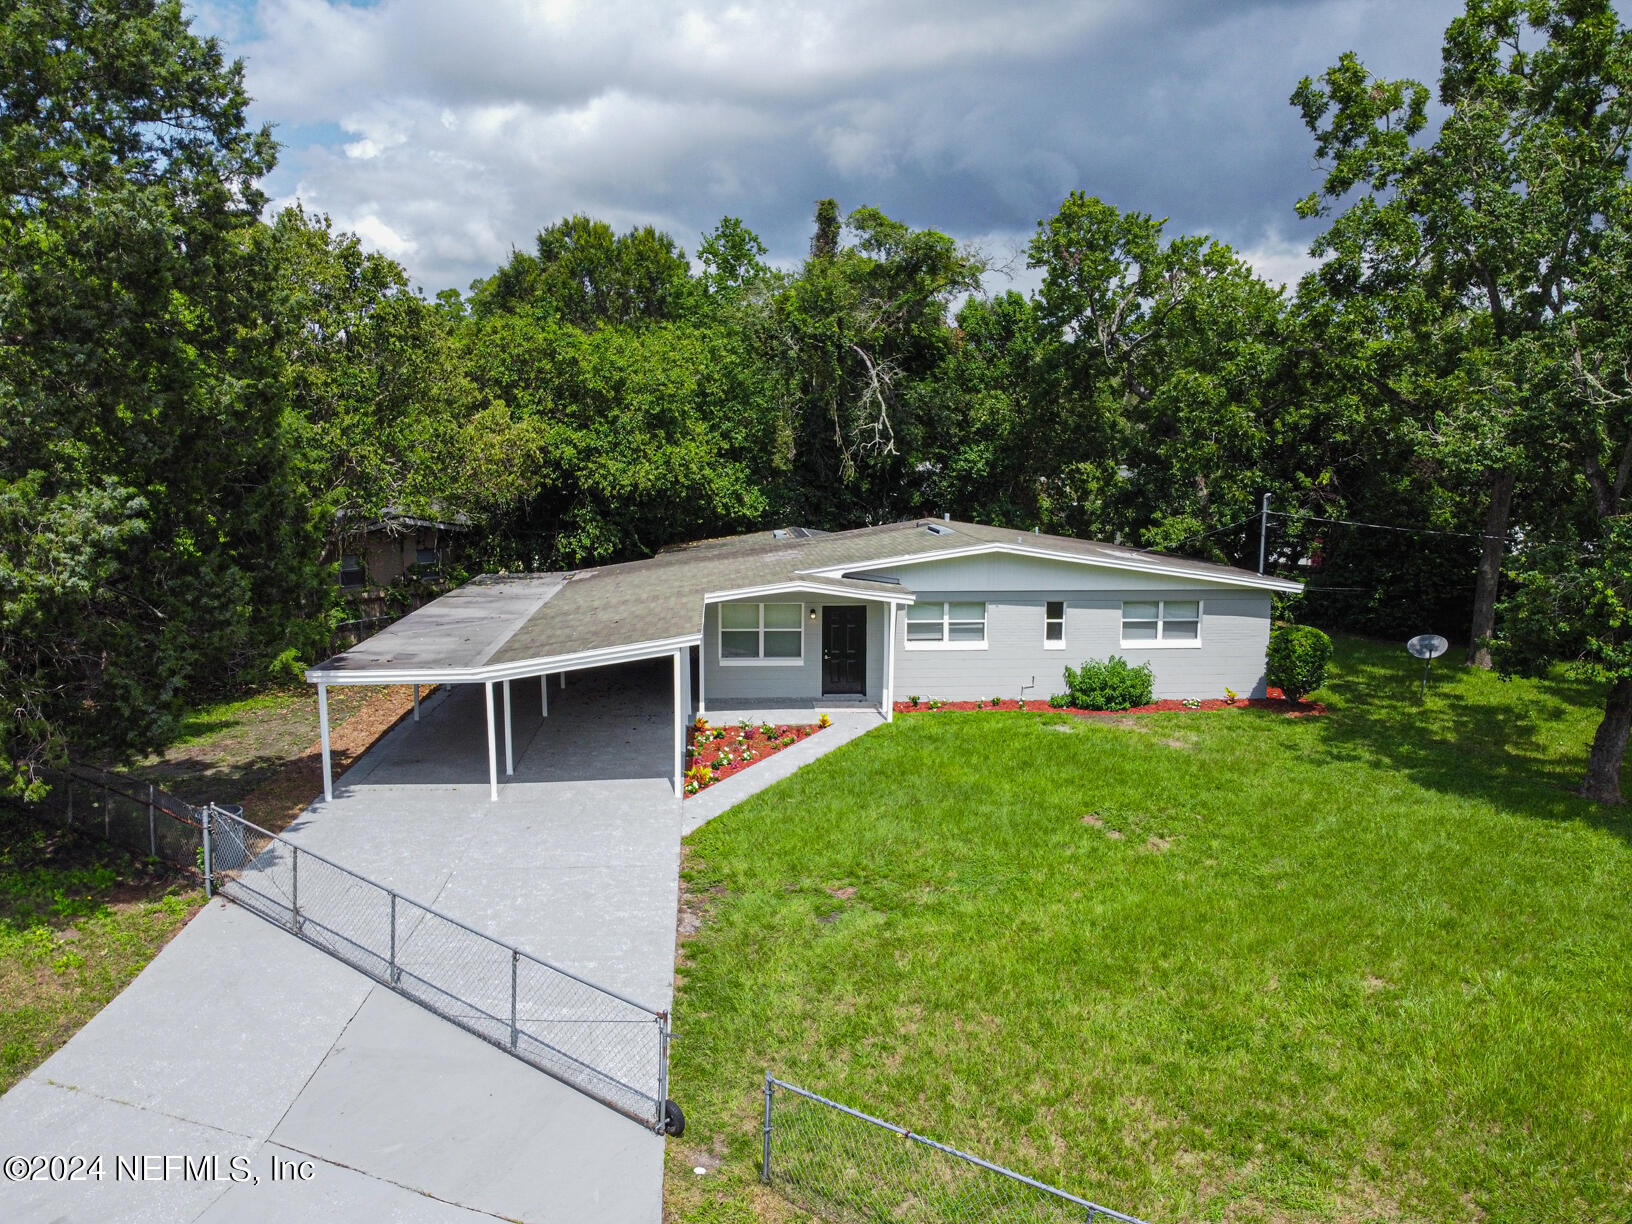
1275,701
723,752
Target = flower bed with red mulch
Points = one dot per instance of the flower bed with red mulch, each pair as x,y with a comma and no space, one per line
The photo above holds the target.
714,753
1275,701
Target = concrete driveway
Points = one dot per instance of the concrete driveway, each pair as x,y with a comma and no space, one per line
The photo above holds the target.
241,1042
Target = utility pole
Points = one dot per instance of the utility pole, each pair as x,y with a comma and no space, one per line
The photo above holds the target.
1263,531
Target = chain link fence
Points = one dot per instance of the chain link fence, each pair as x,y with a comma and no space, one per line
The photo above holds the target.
606,1046
843,1165
135,816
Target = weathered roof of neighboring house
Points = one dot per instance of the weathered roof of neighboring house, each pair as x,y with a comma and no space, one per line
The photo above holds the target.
594,615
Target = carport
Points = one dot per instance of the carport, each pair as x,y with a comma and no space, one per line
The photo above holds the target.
492,632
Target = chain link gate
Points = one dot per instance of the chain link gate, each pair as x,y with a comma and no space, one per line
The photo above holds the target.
844,1165
607,1046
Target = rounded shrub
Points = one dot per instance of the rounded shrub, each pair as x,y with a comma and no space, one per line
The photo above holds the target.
1106,684
1298,655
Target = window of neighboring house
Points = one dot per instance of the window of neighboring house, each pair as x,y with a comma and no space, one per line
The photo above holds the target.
946,626
351,570
1054,624
772,633
1161,622
425,556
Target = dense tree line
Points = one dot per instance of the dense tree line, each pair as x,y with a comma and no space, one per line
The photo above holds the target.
196,400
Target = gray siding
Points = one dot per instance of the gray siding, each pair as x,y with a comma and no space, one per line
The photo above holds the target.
1234,637
1015,574
776,683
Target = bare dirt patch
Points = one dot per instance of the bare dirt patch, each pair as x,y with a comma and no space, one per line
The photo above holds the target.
230,750
281,798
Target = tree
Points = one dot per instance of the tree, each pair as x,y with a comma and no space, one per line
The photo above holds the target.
1480,237
854,334
372,377
1511,226
731,263
985,405
608,444
1171,347
151,534
587,275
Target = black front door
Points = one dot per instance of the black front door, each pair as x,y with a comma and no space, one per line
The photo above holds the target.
844,650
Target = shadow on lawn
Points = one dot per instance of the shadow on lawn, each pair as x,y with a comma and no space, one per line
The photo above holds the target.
220,782
1473,736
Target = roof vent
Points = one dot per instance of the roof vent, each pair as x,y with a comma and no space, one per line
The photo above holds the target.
781,533
937,529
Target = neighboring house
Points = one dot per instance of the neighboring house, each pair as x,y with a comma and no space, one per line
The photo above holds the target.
392,564
796,617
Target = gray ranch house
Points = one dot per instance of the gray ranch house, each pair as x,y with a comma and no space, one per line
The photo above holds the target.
761,624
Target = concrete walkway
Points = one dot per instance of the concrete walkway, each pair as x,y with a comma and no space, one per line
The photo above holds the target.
240,1042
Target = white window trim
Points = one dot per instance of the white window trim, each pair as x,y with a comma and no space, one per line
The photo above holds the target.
1159,642
762,661
1048,645
945,642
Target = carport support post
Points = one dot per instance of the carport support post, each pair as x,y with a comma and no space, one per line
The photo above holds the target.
889,667
492,748
323,735
680,677
509,741
416,703
544,695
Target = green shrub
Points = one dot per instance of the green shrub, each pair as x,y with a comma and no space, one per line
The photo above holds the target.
1106,684
1298,655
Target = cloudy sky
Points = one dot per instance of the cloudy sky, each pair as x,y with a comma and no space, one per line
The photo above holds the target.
447,133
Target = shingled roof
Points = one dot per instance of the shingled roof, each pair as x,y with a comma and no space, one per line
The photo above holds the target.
499,624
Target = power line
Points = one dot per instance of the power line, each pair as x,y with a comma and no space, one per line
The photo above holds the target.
1316,518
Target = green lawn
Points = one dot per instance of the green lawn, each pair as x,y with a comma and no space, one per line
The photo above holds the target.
78,920
1232,966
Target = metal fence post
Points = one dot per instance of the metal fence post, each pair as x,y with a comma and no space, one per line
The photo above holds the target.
70,821
152,833
765,1157
204,814
294,888
106,804
662,1072
515,961
392,974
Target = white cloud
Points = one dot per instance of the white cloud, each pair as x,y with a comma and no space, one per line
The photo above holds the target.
382,237
1278,260
454,131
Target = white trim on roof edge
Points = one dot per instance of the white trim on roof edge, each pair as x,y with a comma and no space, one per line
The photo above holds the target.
520,669
1257,581
816,588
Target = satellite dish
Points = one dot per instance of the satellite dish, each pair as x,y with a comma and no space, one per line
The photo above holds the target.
1427,645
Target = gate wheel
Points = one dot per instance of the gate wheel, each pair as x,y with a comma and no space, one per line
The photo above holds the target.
674,1122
